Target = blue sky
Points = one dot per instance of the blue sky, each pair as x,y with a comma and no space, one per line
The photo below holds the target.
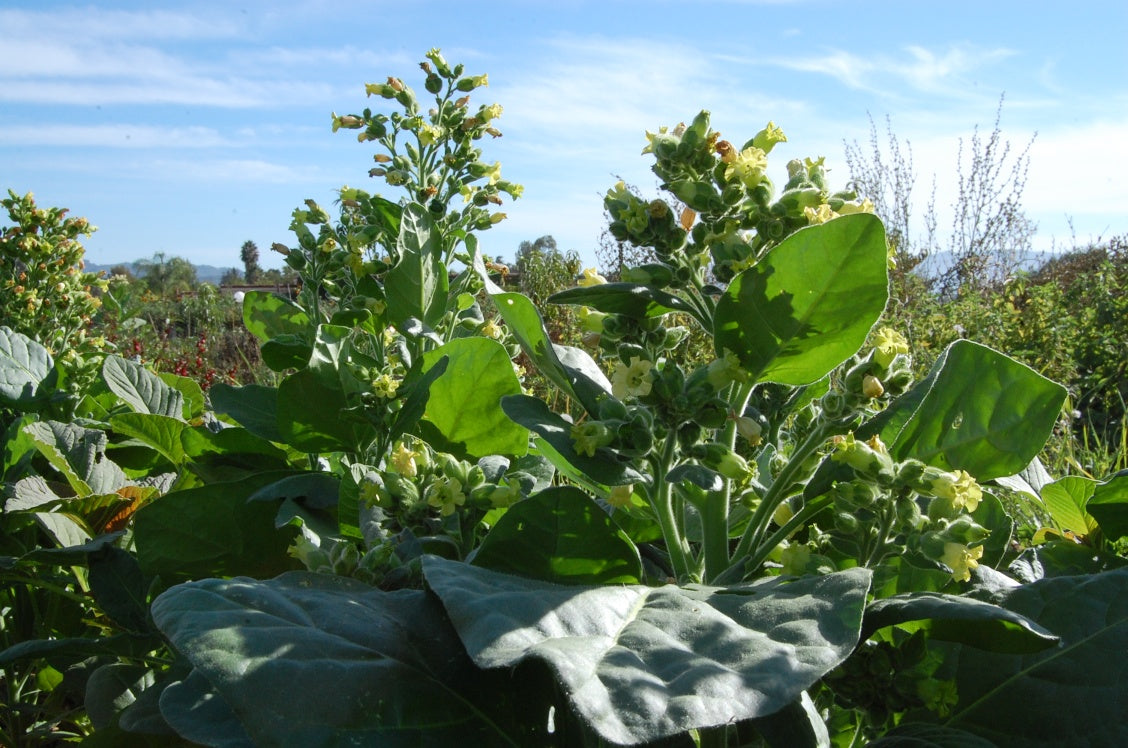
190,127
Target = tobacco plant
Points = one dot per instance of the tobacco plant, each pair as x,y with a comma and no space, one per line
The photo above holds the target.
790,543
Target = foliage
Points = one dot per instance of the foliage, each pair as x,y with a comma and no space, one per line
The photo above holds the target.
249,255
167,276
401,538
45,293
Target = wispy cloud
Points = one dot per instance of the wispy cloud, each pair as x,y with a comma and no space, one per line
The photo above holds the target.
923,70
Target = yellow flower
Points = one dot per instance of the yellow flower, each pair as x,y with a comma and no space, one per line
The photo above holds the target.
851,207
620,497
429,134
591,277
748,167
385,386
818,215
766,139
958,487
961,560
631,379
590,436
403,461
795,559
446,495
491,329
887,343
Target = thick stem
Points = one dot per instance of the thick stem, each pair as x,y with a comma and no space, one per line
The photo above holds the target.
661,500
776,493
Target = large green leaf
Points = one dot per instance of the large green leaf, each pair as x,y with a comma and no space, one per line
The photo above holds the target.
643,663
213,531
309,414
162,433
960,619
918,735
141,389
978,411
416,287
1073,695
79,454
629,299
809,304
464,402
192,707
570,369
27,372
560,535
604,467
367,667
268,315
1109,506
1066,499
253,406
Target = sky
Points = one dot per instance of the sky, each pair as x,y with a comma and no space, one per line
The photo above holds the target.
189,128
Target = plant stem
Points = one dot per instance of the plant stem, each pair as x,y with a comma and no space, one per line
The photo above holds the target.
713,737
774,496
661,500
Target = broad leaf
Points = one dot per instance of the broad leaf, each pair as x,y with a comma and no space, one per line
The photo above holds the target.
162,433
416,287
960,619
978,411
919,735
808,304
197,713
212,531
629,299
79,454
604,467
309,414
268,315
368,667
560,535
643,663
1066,499
1073,694
253,406
141,389
113,687
1109,505
194,399
464,402
27,372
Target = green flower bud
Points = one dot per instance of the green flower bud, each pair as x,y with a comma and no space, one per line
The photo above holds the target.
590,436
653,274
767,138
908,513
721,458
869,458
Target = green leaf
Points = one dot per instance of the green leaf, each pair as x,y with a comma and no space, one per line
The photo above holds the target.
978,411
113,687
197,713
1066,499
416,287
253,406
212,531
960,619
1109,506
141,389
570,369
313,429
319,490
119,588
162,433
368,667
1073,694
562,536
629,299
79,454
463,402
268,315
27,372
808,304
194,399
797,725
605,467
644,663
284,352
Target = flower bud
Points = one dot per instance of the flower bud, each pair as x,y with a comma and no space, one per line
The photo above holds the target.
870,458
721,458
470,83
590,436
872,387
767,138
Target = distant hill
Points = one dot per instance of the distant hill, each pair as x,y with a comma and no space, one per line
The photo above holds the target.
204,273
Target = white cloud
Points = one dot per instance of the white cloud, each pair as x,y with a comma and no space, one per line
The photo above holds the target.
91,22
